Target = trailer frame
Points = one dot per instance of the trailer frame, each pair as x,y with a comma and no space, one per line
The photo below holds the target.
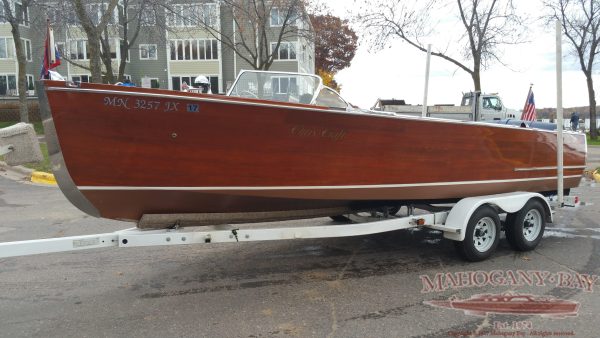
453,222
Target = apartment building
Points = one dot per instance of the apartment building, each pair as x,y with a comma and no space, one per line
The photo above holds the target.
8,60
171,48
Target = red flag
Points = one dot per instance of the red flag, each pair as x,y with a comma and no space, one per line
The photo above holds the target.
529,109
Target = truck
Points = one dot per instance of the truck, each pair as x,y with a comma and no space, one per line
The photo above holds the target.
474,106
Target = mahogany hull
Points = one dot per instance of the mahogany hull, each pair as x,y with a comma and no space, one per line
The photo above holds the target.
564,307
553,308
133,151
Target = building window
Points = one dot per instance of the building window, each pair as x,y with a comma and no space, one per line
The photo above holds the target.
193,15
278,17
7,48
148,52
72,18
112,45
189,15
27,45
284,85
121,45
150,82
183,15
286,51
147,17
96,11
78,50
203,49
177,82
22,13
80,78
30,83
304,53
8,85
210,49
210,15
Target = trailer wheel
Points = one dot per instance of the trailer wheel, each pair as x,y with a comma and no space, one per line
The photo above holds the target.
481,235
525,228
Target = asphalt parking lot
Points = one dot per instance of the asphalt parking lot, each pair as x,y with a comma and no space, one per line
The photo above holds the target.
367,286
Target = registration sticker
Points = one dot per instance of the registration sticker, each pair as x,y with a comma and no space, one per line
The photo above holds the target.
193,108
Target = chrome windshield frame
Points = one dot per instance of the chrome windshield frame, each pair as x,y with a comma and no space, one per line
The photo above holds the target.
317,88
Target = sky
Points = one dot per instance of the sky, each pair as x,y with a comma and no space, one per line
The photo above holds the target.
398,71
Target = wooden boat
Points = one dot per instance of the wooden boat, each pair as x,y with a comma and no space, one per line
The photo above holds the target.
511,303
278,146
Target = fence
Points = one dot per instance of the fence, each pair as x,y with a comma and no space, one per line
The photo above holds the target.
9,109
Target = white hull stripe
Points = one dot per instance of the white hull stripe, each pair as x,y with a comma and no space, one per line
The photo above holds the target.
551,168
321,187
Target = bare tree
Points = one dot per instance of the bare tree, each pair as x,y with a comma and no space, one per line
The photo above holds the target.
133,15
17,15
128,12
94,22
581,22
260,26
486,25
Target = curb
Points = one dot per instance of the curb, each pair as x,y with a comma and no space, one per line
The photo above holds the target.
17,169
29,174
42,177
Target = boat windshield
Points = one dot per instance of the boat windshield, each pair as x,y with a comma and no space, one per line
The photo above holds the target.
274,86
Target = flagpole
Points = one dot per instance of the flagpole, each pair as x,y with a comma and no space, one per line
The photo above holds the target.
48,52
426,90
45,60
559,113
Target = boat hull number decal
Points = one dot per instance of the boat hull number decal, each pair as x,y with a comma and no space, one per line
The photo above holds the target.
143,104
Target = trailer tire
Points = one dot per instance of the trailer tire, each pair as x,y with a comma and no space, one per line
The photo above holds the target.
481,235
525,228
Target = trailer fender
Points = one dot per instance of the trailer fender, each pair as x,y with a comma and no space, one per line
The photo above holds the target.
460,214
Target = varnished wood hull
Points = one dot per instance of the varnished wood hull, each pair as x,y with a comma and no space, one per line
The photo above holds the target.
133,151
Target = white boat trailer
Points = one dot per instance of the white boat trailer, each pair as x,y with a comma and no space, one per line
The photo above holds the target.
473,223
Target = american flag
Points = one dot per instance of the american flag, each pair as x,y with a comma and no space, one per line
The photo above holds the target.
529,109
